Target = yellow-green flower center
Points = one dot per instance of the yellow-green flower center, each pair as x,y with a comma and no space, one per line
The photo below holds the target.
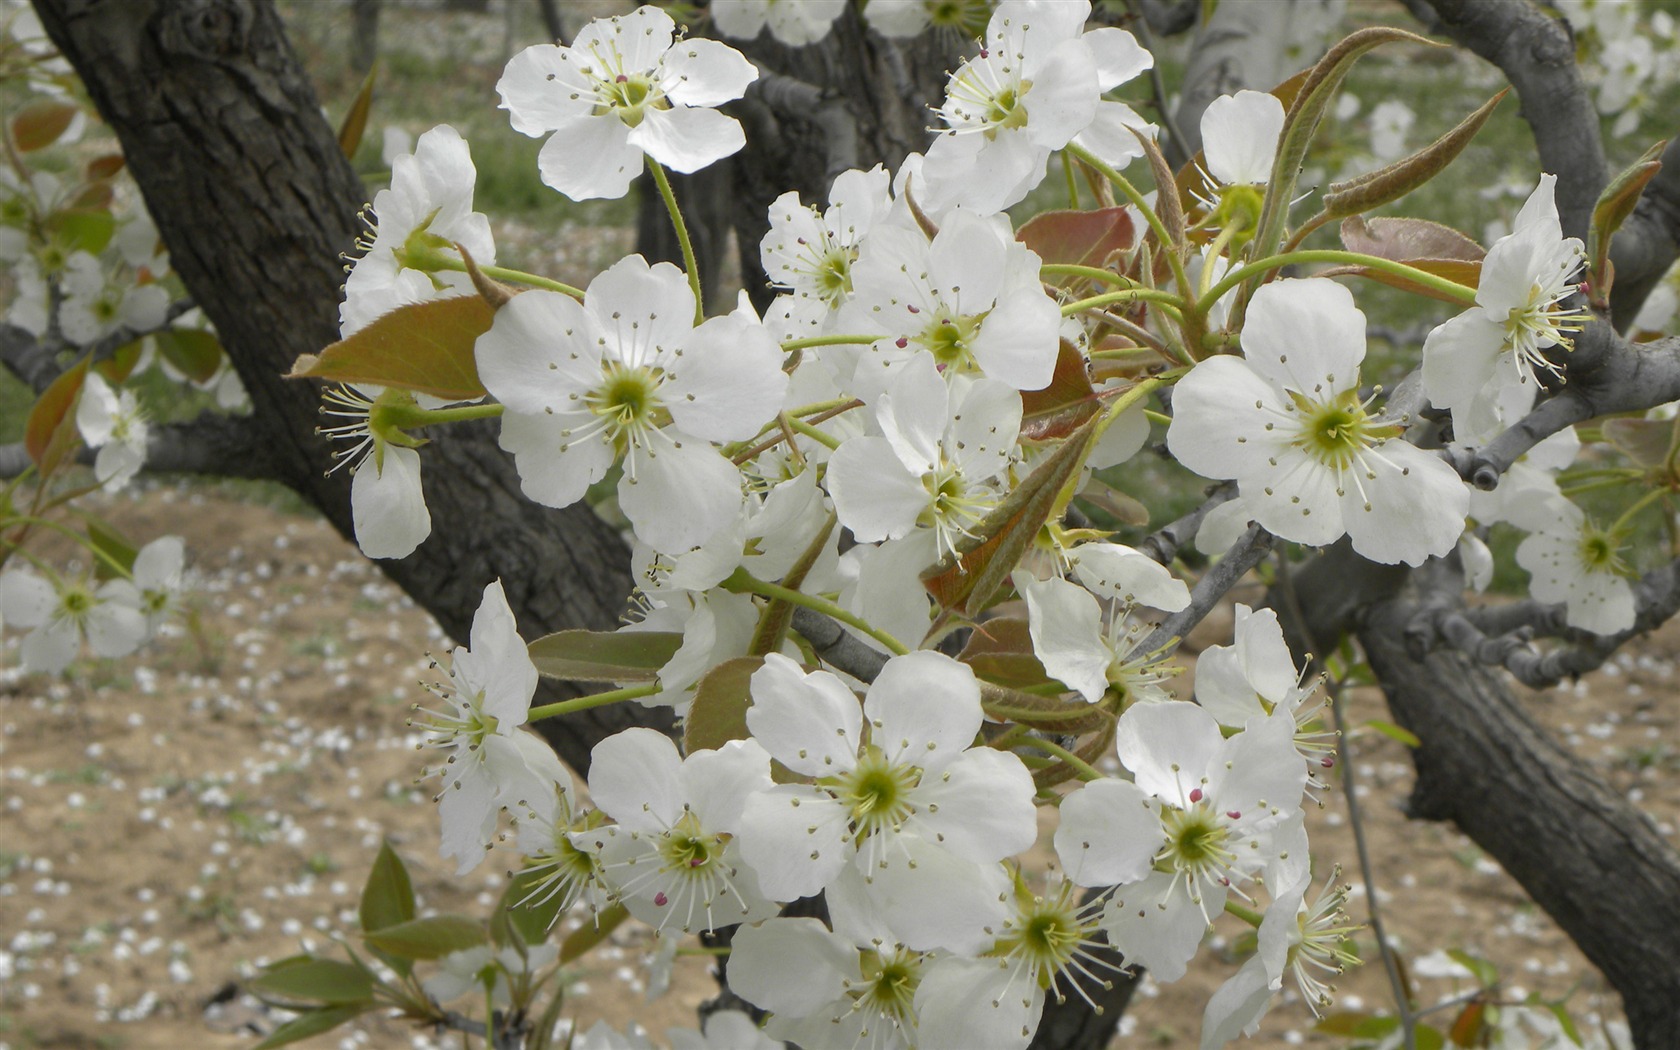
877,792
888,985
1601,551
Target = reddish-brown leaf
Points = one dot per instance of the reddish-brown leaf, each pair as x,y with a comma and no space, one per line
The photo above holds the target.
50,433
427,347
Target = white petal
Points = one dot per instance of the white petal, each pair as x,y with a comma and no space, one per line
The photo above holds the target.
1414,507
980,807
687,140
811,723
553,469
977,1004
729,381
590,158
1109,834
796,837
1066,628
873,494
924,708
706,73
387,504
1115,571
1169,747
633,778
682,494
1240,137
789,966
933,899
1158,931
1305,335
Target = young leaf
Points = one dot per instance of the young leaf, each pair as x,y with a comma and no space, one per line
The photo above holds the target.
980,569
107,540
719,712
529,911
1065,404
81,229
1486,974
1469,1028
1394,732
1614,205
388,896
1420,244
50,432
355,120
309,980
1000,651
1376,188
1317,92
427,347
40,123
313,1023
193,352
120,364
1080,238
590,934
429,938
1648,442
604,656
387,900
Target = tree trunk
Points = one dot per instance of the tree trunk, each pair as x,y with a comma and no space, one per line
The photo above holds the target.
251,193
1592,861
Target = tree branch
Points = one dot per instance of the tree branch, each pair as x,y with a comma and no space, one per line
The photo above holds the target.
1536,51
1607,375
1648,243
1244,555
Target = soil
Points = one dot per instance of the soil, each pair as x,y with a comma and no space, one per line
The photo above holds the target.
173,820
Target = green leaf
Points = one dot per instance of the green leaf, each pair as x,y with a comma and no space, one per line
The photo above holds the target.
1565,1022
1614,205
1393,732
106,539
590,934
388,895
81,229
531,921
50,434
1300,125
1486,974
719,712
1001,651
41,122
982,565
312,1023
194,352
604,656
1349,1022
428,938
1065,404
1648,442
1080,238
1390,183
355,120
304,979
426,347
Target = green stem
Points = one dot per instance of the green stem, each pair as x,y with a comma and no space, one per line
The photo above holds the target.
1125,186
115,566
829,340
821,437
1072,183
1094,273
1168,301
744,582
689,263
1086,771
411,416
1248,915
1220,241
1452,289
584,703
1639,505
502,273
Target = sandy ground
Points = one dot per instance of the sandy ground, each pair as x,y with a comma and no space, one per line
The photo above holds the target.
170,821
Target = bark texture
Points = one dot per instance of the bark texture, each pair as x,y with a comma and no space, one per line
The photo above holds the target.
1592,861
249,190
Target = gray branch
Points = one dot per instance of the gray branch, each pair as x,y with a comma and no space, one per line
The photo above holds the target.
1536,51
1244,555
1164,543
1607,375
1502,635
791,96
211,445
35,359
838,646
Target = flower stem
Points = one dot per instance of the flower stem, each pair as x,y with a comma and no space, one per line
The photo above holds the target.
829,340
1248,915
584,703
689,263
503,273
1094,273
1452,289
1125,186
409,417
1086,771
744,582
1639,505
1168,301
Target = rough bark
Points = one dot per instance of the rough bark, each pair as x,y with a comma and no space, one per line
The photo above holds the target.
250,192
1592,861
